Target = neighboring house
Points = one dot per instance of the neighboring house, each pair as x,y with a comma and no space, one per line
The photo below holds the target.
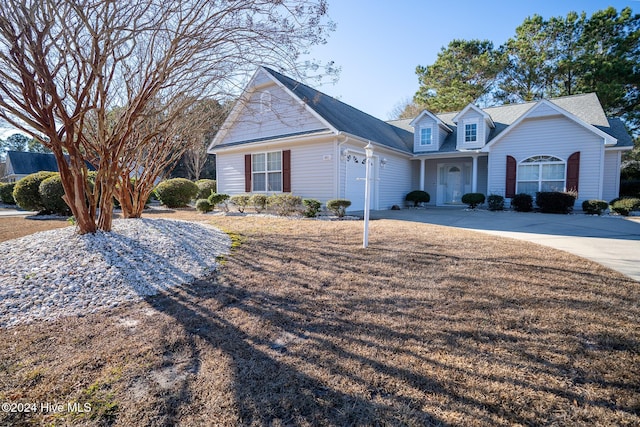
284,136
20,164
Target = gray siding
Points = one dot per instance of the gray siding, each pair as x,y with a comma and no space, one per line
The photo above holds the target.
395,180
286,116
555,136
611,178
482,133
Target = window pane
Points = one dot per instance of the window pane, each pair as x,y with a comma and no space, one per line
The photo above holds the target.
555,172
528,172
257,162
275,181
528,187
259,181
274,161
470,132
552,186
425,136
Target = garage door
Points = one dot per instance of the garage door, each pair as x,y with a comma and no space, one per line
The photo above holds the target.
354,184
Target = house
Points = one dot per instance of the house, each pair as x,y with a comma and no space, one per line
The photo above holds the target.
284,136
21,163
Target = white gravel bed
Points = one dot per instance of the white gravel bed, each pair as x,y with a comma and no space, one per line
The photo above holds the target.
60,273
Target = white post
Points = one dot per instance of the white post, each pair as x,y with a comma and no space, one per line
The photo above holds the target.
421,174
367,193
474,174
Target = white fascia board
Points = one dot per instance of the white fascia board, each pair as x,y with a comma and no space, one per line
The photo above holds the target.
287,140
607,139
466,153
376,144
434,117
484,114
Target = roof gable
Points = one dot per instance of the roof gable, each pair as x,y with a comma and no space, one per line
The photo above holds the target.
427,113
347,119
472,107
547,104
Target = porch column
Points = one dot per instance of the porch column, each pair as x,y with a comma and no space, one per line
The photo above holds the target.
421,174
474,175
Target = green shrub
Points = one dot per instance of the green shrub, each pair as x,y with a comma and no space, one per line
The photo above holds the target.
205,188
203,205
176,192
259,202
338,206
51,192
495,202
217,199
312,207
555,201
26,193
625,205
630,188
284,204
6,193
594,207
473,199
522,202
418,197
240,201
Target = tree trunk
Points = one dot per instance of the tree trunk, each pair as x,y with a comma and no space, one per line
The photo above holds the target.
74,182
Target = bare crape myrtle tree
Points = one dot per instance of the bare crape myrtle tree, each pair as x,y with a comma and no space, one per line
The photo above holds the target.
117,84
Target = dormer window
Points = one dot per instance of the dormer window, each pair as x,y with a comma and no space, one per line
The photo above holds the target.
426,136
470,132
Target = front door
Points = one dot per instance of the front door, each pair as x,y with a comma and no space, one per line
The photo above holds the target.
454,180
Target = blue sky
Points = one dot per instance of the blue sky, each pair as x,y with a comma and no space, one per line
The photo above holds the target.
379,43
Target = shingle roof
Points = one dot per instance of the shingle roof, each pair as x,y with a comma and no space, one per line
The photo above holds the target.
25,163
346,118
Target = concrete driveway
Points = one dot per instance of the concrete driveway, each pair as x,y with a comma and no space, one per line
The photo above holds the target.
612,241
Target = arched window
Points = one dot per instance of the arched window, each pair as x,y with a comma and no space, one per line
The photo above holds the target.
541,173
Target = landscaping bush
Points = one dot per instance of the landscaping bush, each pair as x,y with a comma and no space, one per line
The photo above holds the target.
417,197
176,192
522,202
338,206
495,202
625,205
594,207
630,188
203,206
205,188
555,201
259,202
240,201
217,199
6,193
312,207
284,204
51,192
473,199
26,193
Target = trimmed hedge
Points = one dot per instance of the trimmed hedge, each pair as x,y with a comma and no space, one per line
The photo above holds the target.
6,193
176,192
240,201
338,206
206,187
311,207
522,202
473,199
284,204
26,193
495,202
418,197
594,207
51,192
217,199
555,201
203,205
624,206
259,202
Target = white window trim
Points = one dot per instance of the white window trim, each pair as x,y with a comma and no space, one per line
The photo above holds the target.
266,172
540,180
464,131
430,144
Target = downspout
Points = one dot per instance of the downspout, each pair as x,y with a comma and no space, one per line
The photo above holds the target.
339,162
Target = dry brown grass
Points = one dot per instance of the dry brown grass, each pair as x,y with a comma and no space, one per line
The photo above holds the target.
301,326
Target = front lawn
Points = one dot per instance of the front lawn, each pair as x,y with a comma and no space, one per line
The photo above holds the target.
301,326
